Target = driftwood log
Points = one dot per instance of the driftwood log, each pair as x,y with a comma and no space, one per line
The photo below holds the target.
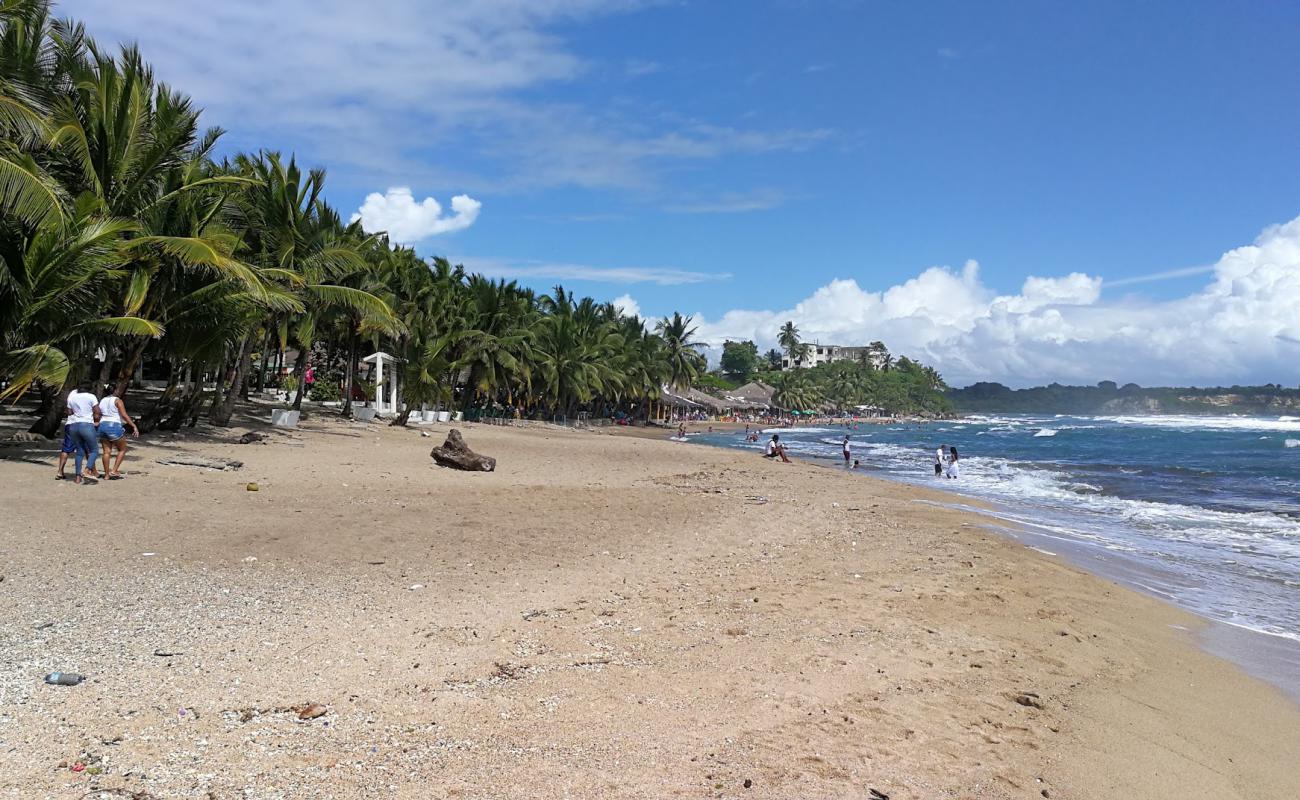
455,453
203,463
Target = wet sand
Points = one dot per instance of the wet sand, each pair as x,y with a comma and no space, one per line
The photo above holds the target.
604,616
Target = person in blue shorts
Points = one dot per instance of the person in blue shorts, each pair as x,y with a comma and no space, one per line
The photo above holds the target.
66,450
112,431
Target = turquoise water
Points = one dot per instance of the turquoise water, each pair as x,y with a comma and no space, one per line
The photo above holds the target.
1203,511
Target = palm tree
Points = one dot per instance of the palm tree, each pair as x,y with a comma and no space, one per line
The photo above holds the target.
295,238
795,391
682,355
498,337
788,338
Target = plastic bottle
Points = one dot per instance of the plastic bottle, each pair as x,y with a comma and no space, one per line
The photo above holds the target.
64,678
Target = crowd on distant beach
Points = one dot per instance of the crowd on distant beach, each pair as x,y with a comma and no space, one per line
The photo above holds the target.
89,421
946,458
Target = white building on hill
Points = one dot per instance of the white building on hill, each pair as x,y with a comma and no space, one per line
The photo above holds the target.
826,353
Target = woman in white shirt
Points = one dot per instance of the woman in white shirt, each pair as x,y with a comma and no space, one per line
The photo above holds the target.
112,417
83,414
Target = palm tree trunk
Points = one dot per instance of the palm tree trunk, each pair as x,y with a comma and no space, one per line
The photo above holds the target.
151,419
129,365
300,366
350,373
223,412
399,421
47,424
266,363
106,368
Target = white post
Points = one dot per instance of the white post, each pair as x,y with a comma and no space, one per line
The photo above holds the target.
379,385
392,377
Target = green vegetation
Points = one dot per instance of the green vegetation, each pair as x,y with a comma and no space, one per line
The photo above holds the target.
900,386
1108,398
124,241
907,387
740,360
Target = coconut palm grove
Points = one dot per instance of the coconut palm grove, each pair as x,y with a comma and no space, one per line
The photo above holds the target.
130,243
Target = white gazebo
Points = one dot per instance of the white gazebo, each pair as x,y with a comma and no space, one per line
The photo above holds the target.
382,360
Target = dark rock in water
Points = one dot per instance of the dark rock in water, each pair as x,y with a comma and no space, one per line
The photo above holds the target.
456,454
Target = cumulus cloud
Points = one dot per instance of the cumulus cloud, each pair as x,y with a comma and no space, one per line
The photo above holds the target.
407,221
626,306
1242,327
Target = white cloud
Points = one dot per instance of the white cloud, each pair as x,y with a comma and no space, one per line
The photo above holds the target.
407,221
732,203
663,276
372,89
637,68
1242,327
626,306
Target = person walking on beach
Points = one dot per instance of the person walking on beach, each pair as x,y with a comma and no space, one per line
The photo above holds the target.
67,449
848,453
953,469
83,415
112,417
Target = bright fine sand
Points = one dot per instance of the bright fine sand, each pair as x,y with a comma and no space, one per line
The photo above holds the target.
603,617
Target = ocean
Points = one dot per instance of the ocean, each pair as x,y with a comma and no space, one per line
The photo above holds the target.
1201,511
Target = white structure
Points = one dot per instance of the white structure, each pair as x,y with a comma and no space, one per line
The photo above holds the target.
380,360
826,353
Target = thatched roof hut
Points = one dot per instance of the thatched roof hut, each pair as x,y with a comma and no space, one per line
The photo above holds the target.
755,394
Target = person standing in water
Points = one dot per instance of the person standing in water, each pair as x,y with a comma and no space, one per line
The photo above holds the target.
848,452
938,462
953,469
112,417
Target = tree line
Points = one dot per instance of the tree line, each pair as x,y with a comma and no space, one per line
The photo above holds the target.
1108,397
125,239
875,378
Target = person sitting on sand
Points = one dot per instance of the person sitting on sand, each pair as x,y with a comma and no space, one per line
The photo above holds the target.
856,464
112,413
775,449
953,470
83,415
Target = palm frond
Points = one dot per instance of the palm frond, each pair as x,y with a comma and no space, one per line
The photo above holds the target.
43,362
123,326
26,192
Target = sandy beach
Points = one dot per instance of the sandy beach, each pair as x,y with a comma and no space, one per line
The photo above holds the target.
603,617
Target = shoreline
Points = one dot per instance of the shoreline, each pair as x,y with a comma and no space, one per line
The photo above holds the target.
1272,657
604,616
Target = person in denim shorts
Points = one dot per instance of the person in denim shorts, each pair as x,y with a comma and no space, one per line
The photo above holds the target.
68,448
112,418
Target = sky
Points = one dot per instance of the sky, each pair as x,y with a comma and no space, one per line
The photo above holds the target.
1020,192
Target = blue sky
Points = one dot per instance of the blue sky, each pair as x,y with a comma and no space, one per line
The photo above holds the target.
838,163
